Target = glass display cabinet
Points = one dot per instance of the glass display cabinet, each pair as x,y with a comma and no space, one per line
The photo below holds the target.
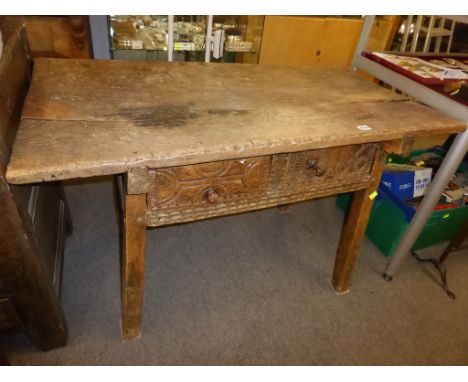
233,38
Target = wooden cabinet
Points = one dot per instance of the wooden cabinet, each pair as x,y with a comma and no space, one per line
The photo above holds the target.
58,36
34,220
338,41
290,40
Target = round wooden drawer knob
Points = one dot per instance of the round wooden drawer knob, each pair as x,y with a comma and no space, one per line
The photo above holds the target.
212,196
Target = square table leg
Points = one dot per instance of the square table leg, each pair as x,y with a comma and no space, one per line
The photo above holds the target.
355,226
133,266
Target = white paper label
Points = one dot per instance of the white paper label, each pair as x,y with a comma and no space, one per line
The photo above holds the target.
422,178
137,44
363,127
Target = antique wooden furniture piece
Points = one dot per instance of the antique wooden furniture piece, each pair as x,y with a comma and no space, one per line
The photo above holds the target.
57,36
313,40
202,140
33,219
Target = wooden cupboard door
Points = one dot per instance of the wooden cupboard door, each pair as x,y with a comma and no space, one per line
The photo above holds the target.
338,41
291,40
383,32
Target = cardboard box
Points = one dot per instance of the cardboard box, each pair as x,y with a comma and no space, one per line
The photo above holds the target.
405,181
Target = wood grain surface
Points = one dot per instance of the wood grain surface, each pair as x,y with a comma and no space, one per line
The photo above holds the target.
15,71
28,298
85,117
186,193
133,266
354,227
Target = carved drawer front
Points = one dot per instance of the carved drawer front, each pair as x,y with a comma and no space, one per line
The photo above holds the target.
313,169
193,192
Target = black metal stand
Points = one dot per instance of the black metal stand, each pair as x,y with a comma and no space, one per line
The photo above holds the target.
438,264
456,244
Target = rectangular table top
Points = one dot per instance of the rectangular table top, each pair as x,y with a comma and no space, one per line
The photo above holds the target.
87,117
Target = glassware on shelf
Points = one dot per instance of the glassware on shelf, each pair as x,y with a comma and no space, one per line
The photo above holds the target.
242,34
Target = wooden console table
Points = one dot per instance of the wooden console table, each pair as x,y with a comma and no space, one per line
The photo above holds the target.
203,140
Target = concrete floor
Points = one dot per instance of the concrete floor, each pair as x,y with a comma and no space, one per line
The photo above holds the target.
250,289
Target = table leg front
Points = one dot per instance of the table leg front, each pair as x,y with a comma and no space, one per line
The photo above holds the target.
355,226
134,236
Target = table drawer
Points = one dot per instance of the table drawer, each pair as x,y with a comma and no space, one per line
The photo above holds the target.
186,193
207,189
310,169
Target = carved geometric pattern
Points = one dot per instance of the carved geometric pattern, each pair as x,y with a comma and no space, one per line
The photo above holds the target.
187,185
180,194
198,212
343,162
356,158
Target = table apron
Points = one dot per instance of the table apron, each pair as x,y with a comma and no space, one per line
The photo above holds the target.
194,192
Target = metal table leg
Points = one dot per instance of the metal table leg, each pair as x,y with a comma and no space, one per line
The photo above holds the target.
453,158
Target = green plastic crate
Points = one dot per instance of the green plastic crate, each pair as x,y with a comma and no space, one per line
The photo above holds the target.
387,224
405,160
